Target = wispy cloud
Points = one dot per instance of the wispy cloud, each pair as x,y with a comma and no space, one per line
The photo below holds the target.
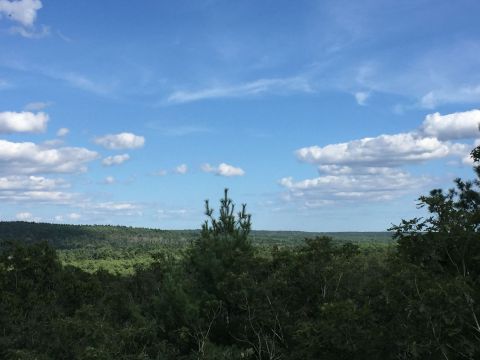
4,84
82,82
361,97
37,106
42,32
63,132
181,169
109,180
72,78
254,88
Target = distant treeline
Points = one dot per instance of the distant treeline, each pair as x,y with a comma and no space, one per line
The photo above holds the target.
67,236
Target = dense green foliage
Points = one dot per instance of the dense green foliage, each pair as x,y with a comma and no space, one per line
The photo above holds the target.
221,297
121,249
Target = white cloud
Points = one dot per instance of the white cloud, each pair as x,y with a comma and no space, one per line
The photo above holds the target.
116,206
257,87
62,132
181,169
168,214
30,33
460,94
368,168
104,210
370,184
53,143
26,216
21,188
21,11
74,216
22,216
56,197
115,160
29,158
70,216
223,170
16,182
460,125
383,150
14,122
46,196
361,97
429,100
109,180
119,208
120,141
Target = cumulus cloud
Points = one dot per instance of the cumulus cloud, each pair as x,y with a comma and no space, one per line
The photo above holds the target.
21,11
115,160
459,125
181,169
120,141
22,122
371,184
22,188
223,170
63,132
383,150
369,168
28,158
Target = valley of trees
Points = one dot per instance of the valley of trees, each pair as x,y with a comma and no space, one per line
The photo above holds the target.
222,296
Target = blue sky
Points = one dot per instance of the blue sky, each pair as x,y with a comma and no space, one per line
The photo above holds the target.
320,115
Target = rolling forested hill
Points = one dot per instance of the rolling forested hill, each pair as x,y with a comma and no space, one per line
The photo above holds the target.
67,237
